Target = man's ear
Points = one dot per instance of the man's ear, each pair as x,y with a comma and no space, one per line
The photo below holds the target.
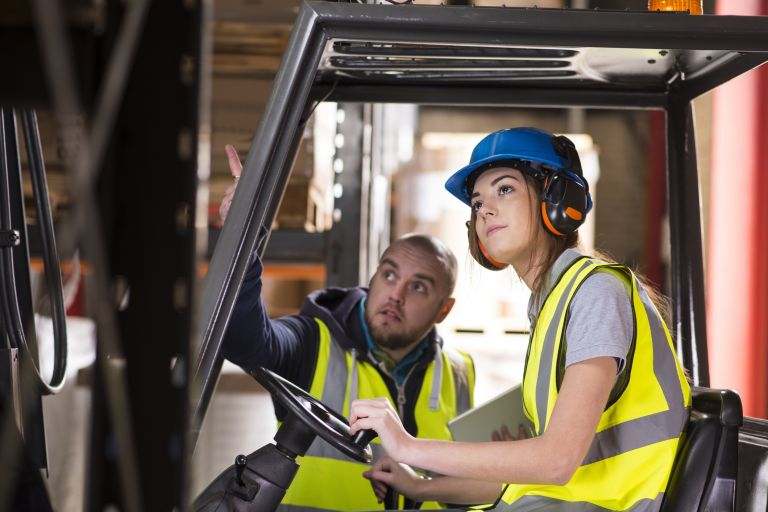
445,309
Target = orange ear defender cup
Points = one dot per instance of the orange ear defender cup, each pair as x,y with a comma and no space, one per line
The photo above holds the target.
547,222
488,257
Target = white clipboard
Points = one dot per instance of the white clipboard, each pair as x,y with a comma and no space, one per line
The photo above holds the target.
477,425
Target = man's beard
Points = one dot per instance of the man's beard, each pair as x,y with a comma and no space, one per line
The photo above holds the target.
391,340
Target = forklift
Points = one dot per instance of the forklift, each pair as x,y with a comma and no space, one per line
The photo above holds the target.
159,358
470,56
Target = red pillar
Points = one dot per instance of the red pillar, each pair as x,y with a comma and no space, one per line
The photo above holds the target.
737,271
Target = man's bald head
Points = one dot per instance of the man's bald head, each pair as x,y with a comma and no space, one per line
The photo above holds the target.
444,258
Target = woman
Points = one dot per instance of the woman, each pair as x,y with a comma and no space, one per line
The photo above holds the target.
602,385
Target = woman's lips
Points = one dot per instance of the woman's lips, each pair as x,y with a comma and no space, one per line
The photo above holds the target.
492,229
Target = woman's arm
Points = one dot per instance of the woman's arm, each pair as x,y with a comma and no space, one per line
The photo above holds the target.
446,489
550,458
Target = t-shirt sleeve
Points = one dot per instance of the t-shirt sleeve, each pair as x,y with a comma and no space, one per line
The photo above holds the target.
601,320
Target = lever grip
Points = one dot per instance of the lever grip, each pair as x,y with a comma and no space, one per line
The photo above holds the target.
241,461
364,437
391,499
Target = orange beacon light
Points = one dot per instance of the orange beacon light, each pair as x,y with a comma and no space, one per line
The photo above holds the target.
692,6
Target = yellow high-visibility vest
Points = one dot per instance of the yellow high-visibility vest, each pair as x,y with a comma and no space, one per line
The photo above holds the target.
628,465
329,480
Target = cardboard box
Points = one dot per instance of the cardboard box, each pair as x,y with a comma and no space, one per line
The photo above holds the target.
304,207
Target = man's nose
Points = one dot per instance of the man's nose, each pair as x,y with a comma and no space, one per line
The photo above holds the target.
397,293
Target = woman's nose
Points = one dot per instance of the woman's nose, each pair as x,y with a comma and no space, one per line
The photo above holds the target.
486,210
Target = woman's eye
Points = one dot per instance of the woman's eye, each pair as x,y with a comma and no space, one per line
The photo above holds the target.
477,205
505,189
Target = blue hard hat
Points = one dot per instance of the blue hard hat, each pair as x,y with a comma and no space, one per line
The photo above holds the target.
526,144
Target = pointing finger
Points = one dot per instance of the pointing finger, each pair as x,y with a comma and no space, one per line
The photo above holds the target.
235,166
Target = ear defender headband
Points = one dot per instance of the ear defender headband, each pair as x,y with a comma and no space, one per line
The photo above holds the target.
565,198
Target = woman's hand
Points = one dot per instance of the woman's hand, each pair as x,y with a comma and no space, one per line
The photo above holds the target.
377,414
503,434
388,473
235,167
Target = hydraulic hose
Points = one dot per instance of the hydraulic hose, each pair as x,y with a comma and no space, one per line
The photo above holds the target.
11,313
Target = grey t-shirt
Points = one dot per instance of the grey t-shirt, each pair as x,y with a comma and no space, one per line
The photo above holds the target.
601,320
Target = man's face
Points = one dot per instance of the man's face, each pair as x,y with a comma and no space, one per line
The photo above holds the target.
408,294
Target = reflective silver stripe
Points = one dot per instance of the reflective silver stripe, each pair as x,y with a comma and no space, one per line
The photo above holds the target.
334,391
459,367
545,358
352,380
633,434
437,379
531,503
664,364
654,428
335,386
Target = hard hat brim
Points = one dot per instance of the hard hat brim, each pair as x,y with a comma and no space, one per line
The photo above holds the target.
456,184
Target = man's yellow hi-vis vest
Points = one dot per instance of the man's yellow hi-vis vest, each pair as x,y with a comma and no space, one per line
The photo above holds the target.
327,479
628,465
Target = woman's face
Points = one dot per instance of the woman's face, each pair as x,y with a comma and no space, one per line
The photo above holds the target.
505,221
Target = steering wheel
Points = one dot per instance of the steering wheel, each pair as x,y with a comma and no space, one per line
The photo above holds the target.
331,426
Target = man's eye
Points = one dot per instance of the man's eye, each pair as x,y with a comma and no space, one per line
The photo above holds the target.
418,287
389,275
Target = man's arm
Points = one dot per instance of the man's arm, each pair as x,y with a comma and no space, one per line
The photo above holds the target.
286,345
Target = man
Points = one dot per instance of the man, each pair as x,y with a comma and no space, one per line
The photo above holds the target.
350,343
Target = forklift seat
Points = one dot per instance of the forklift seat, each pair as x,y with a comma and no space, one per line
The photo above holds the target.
704,475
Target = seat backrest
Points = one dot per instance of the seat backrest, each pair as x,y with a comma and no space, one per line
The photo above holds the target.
704,475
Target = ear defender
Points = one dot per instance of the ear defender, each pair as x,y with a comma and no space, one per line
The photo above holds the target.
497,265
483,257
565,198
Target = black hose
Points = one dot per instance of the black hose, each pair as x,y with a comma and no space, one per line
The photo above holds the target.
51,261
11,313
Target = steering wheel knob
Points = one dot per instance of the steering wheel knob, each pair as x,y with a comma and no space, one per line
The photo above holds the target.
364,437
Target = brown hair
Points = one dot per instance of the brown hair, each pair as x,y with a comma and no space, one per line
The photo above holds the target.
553,248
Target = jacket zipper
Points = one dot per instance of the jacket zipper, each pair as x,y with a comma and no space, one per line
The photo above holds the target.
400,398
401,392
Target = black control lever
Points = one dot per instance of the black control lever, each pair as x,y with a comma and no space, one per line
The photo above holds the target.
241,461
364,437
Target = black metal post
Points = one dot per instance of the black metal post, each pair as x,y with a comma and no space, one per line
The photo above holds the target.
254,204
152,252
689,311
